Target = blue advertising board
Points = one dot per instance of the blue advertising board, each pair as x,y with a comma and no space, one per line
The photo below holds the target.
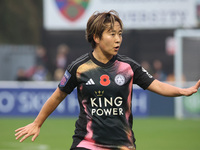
28,101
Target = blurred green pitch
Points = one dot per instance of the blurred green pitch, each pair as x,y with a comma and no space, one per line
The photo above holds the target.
151,134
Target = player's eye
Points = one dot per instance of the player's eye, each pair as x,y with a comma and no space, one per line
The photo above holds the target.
112,34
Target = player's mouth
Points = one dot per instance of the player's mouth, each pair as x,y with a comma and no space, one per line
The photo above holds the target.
116,48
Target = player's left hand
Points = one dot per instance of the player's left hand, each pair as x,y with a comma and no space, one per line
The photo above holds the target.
192,90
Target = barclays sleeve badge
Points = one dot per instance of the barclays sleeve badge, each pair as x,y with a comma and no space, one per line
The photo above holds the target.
65,79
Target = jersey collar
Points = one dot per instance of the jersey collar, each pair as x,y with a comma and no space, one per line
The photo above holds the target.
108,64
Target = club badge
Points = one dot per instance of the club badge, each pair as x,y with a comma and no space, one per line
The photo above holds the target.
119,79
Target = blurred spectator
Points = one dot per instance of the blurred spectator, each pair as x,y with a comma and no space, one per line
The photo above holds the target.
58,74
171,78
61,56
41,56
21,75
158,70
40,73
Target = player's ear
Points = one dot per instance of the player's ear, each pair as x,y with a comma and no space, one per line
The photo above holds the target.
96,39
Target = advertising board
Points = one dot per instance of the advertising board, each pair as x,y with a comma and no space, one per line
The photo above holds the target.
135,14
28,101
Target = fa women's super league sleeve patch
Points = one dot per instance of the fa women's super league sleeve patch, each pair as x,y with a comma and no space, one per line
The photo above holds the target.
65,79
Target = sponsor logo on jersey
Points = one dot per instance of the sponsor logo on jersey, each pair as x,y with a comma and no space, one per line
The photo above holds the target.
144,70
99,93
107,106
119,79
90,82
65,79
105,80
72,9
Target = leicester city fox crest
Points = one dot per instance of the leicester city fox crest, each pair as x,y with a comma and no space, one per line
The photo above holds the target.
72,9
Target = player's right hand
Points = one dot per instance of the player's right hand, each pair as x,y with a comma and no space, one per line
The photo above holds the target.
31,129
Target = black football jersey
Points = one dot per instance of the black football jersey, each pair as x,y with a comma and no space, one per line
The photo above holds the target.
104,94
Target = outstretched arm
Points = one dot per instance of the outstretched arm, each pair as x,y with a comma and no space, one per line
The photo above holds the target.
33,129
172,91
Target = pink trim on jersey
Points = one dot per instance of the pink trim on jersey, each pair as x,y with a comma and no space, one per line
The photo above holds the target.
129,98
88,142
124,67
129,134
129,72
90,145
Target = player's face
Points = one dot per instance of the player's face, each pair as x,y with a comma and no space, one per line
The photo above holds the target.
111,40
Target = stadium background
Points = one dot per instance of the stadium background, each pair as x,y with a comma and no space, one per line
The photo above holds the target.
23,88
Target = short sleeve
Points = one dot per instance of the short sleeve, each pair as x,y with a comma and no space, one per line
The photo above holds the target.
142,78
68,82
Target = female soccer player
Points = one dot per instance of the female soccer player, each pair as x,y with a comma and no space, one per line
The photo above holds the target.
104,82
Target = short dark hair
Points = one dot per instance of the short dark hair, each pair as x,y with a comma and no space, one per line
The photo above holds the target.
96,24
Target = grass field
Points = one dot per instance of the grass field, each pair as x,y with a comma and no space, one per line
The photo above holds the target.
151,134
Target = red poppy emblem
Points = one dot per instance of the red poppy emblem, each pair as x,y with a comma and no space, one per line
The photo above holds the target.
105,80
72,9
